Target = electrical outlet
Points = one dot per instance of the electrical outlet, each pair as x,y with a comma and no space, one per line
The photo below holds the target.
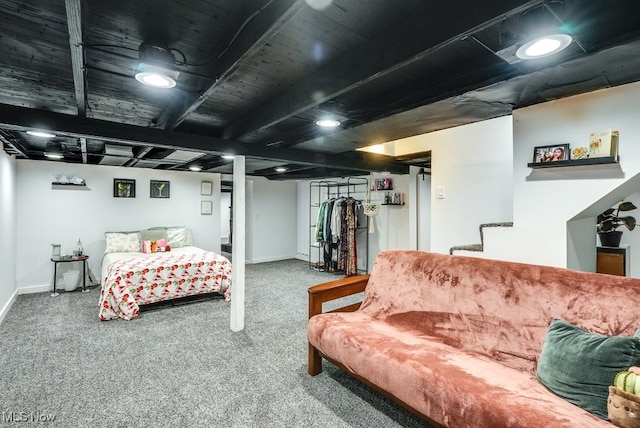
440,192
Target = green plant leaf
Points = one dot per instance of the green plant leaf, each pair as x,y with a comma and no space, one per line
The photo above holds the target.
607,226
626,206
629,222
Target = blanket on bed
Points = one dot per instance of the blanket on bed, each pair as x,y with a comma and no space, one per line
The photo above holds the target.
134,282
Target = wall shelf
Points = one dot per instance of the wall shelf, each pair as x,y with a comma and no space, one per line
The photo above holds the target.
397,205
574,162
74,186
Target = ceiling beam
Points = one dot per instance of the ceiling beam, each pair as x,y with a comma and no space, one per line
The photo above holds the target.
74,25
401,47
256,30
22,119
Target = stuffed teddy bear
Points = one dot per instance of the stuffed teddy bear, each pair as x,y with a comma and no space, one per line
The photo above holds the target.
623,405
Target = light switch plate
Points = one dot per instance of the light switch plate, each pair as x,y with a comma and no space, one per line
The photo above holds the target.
440,192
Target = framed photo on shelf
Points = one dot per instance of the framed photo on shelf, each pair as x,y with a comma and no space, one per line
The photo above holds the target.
206,207
554,153
124,188
206,188
159,189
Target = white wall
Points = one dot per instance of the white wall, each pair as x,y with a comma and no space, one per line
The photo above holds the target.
391,230
8,234
544,200
423,191
271,214
474,164
302,220
47,215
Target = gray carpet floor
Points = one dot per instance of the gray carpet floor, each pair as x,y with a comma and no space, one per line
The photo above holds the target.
180,366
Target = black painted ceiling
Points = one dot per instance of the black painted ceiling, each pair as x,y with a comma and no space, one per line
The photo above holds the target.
254,75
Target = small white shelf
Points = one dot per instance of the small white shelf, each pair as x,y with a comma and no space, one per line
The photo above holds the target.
69,186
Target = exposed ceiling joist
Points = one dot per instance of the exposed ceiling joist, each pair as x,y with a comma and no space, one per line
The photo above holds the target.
15,147
74,24
83,149
260,27
401,47
21,119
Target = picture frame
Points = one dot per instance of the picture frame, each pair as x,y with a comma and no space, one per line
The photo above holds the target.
206,188
124,188
159,189
206,207
552,153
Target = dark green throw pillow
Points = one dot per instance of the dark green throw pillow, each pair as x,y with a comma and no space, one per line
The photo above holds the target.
579,366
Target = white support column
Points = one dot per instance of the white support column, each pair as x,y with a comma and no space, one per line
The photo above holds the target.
238,247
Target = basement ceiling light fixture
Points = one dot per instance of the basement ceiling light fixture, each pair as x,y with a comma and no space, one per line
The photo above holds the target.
544,46
157,66
54,150
328,123
41,134
228,157
156,77
195,168
281,169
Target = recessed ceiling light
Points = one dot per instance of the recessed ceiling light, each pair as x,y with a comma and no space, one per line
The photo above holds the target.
156,77
227,157
281,169
195,168
327,123
41,134
544,46
54,150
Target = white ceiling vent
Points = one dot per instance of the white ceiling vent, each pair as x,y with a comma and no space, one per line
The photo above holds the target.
183,156
116,155
110,149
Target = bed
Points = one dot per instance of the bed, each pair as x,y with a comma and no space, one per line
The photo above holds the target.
131,278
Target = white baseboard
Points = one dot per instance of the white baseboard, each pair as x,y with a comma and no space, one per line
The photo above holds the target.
303,257
6,308
35,289
272,259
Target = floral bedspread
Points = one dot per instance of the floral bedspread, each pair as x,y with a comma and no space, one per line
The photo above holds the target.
133,282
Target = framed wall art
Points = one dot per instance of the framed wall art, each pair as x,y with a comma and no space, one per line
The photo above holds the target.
206,188
159,189
124,188
554,153
206,207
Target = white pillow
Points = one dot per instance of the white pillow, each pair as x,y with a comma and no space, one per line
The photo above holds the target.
179,236
122,242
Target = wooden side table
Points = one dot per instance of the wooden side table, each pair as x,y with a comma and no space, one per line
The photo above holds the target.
613,260
67,259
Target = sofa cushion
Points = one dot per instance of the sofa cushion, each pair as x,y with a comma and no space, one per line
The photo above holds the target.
451,386
579,366
501,309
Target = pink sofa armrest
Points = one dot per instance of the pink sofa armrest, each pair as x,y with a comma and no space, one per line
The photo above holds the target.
326,292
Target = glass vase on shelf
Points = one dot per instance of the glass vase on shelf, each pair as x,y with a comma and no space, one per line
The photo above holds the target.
78,251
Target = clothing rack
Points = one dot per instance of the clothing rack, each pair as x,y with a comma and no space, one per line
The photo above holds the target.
344,251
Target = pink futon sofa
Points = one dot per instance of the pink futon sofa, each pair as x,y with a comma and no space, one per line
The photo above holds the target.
456,339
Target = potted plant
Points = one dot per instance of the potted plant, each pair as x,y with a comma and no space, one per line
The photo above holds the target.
610,220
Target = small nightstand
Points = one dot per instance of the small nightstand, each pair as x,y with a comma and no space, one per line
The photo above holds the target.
67,259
